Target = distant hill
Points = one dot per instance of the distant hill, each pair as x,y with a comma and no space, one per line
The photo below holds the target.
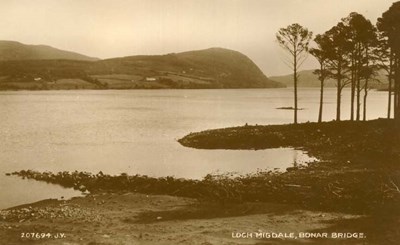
210,68
11,50
308,79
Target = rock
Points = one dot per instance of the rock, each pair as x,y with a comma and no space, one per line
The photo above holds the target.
82,188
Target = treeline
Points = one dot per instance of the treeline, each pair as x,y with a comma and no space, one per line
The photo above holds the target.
351,52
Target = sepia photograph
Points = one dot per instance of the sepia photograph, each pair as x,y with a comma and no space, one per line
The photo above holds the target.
199,122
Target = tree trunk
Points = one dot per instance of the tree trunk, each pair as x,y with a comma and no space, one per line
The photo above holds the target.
338,99
365,100
397,92
366,85
358,84
389,99
358,99
338,93
395,99
321,101
390,86
339,90
353,88
295,88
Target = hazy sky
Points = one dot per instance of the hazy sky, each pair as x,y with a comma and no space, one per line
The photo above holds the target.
111,28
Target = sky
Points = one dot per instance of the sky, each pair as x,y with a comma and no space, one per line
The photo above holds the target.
114,28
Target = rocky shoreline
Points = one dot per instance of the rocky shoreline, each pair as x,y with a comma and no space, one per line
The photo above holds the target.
358,171
358,176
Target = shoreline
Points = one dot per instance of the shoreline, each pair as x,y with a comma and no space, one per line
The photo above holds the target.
161,89
133,218
135,89
341,184
333,141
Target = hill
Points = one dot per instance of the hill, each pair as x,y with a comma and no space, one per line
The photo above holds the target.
309,79
11,50
210,68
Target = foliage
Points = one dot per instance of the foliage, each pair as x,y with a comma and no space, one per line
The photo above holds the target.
389,25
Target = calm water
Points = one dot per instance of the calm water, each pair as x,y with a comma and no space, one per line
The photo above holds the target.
135,131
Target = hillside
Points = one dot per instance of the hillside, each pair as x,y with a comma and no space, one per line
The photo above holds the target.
210,68
11,50
309,79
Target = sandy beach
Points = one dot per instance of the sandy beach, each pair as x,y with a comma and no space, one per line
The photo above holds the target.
132,218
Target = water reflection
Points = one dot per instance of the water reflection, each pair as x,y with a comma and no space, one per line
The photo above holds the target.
16,191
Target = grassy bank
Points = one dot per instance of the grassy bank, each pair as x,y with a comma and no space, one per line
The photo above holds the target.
371,143
358,170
